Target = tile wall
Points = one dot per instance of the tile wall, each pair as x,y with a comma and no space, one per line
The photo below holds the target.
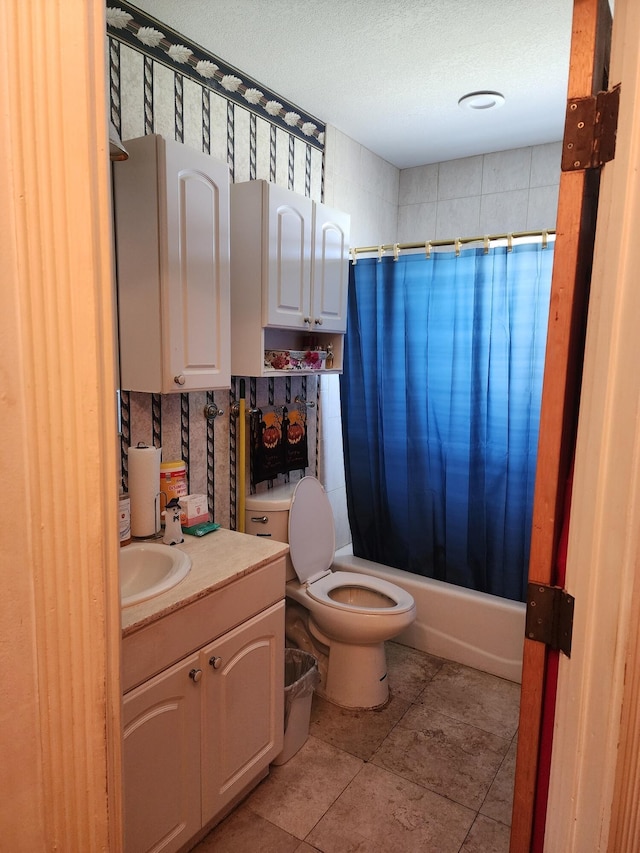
514,190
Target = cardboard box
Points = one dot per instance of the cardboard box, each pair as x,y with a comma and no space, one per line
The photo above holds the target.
194,510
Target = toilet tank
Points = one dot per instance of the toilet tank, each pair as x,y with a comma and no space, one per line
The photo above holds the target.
267,515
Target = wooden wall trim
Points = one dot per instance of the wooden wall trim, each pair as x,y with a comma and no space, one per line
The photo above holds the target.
60,395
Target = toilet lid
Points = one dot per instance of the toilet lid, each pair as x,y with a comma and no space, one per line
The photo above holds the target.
312,537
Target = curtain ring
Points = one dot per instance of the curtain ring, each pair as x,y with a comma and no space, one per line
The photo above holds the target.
427,247
545,239
509,242
396,251
486,244
354,252
380,253
457,244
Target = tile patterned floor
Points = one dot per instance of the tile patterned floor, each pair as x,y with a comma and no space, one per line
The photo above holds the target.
431,772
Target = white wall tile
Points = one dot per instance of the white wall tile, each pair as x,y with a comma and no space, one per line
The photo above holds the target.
419,184
416,222
545,164
503,212
458,217
460,178
391,182
338,501
543,207
506,170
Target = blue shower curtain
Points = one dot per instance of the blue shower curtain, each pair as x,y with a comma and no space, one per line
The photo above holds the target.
440,397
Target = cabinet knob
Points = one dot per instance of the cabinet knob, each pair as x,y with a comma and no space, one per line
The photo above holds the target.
179,380
215,662
195,675
307,320
318,321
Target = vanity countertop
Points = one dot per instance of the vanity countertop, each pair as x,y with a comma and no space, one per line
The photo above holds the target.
217,559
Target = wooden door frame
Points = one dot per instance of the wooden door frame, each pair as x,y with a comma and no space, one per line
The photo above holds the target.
575,230
595,769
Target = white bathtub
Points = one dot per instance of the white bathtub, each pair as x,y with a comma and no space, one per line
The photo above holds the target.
458,624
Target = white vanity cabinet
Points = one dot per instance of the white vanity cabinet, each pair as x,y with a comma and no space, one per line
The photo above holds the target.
171,211
201,732
161,760
289,274
243,717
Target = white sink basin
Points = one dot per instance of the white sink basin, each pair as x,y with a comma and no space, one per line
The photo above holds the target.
148,568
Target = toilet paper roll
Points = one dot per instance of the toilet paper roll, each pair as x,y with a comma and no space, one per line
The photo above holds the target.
144,487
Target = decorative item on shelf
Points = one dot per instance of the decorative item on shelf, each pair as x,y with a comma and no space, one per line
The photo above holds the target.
295,359
329,359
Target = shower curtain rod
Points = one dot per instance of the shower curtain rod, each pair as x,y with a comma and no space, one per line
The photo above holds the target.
458,242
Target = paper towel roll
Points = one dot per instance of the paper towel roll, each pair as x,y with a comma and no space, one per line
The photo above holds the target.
144,487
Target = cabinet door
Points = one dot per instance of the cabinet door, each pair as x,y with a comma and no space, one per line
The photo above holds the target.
161,761
243,718
172,240
196,311
330,269
287,289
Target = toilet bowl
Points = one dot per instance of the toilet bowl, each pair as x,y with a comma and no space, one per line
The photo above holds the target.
343,618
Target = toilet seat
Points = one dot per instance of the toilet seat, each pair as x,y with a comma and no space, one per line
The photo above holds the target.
312,549
321,590
312,535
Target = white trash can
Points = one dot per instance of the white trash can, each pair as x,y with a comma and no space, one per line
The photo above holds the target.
300,679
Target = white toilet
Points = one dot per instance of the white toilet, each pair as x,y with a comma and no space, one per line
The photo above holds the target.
343,618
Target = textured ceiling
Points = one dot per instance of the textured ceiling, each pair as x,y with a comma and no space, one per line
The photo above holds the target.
390,74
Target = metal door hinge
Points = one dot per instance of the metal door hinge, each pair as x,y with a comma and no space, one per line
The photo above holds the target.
590,131
549,616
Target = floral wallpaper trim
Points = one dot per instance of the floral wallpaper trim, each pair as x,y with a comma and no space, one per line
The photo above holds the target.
149,36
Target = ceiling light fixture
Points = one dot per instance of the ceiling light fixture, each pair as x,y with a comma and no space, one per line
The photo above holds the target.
484,100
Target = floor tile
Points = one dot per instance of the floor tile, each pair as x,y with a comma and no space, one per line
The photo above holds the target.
487,836
499,801
245,831
295,795
409,670
451,758
379,811
306,848
358,732
474,697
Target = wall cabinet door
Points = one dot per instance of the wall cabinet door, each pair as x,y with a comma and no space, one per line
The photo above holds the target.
171,206
161,761
288,244
330,269
243,716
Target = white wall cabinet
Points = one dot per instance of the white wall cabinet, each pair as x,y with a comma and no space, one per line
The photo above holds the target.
171,209
201,732
289,273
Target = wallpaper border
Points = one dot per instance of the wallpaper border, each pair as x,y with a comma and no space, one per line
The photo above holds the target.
151,37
